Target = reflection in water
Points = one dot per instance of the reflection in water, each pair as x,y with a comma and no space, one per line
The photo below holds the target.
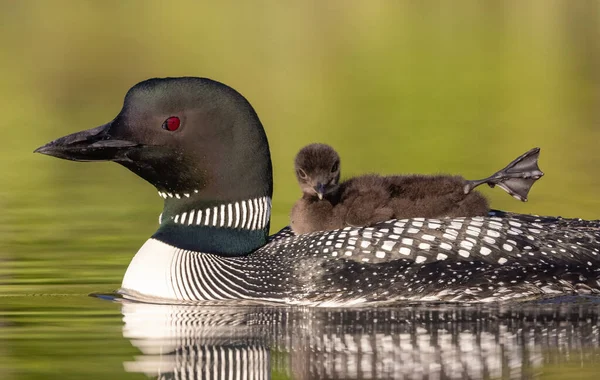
436,342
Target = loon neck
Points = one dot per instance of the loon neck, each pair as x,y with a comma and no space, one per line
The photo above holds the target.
231,228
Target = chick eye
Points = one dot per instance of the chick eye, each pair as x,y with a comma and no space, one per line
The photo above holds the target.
335,167
171,124
301,173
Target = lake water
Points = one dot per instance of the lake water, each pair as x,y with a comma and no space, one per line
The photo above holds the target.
395,86
74,337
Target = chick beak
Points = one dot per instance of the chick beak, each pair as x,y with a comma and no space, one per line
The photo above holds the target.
320,190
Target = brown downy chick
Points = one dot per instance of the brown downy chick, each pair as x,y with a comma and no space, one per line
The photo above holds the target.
365,200
317,168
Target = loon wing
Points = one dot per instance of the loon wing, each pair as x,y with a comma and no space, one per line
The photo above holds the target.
499,257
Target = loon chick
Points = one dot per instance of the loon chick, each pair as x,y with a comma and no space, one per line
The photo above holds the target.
327,204
201,144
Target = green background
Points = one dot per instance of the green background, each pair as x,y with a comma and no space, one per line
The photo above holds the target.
396,87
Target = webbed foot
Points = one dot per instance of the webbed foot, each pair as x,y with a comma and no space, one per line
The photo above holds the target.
516,178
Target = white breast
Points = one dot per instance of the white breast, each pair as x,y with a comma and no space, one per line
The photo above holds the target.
149,272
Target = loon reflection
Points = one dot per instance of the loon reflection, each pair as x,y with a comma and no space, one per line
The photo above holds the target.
435,342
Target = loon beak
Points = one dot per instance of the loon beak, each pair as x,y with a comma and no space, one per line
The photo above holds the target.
94,144
320,190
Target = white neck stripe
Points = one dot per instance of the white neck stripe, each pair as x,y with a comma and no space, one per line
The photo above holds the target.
254,214
165,195
250,213
237,215
214,221
229,215
244,211
207,211
257,212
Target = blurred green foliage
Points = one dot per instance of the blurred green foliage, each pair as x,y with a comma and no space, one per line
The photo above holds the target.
396,87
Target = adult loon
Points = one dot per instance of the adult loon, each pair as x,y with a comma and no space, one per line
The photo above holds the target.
202,145
327,204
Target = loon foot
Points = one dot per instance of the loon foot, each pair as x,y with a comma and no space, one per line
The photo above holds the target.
516,178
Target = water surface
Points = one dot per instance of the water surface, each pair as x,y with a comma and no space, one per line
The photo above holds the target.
84,337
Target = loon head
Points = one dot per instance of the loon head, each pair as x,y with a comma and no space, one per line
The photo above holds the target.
318,170
202,145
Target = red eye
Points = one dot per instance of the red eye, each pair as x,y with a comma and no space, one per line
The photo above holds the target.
171,124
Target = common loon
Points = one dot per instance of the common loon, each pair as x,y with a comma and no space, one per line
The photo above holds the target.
327,204
202,145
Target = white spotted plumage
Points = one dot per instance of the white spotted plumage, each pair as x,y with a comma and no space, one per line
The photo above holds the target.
463,267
